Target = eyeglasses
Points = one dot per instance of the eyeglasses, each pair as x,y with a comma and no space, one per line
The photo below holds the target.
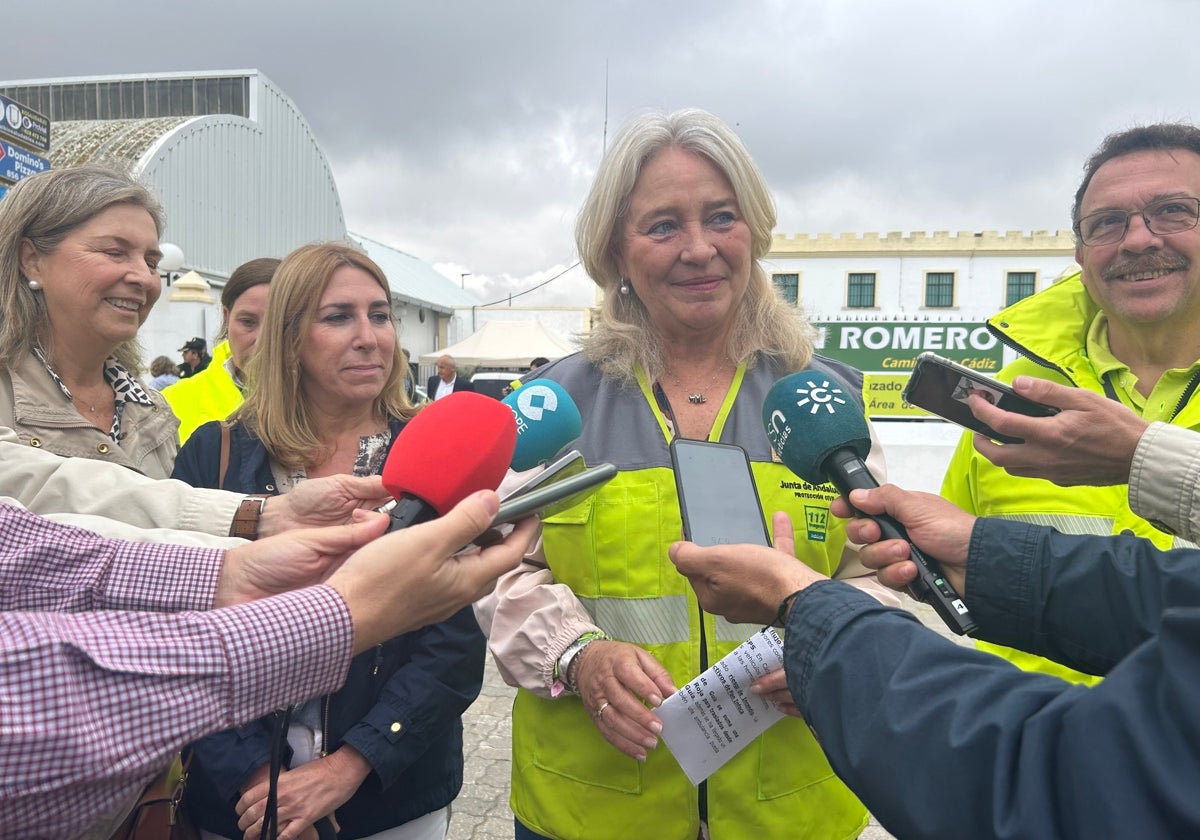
1163,218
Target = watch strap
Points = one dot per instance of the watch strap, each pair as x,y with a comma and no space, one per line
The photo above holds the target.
247,516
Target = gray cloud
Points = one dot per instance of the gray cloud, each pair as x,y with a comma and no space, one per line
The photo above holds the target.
467,132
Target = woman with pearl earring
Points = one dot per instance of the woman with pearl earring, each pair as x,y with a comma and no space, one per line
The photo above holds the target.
78,259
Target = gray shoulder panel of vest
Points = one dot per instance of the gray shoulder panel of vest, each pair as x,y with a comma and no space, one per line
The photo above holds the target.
619,426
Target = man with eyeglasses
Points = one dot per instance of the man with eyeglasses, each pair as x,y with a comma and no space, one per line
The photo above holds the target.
1127,327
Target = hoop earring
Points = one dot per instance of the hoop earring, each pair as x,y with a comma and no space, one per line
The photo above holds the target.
624,285
34,285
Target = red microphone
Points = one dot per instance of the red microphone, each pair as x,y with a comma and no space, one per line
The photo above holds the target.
452,448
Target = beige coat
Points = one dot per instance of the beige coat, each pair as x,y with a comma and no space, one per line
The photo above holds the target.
32,405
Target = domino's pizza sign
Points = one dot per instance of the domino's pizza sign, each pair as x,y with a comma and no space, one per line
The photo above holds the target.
24,125
16,163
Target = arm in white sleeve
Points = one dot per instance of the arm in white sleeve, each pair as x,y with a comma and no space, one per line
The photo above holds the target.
49,484
1164,479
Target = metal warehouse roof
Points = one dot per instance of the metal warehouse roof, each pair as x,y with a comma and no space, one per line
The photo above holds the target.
414,281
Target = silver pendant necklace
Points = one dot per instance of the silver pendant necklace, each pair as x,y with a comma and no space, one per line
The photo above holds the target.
696,397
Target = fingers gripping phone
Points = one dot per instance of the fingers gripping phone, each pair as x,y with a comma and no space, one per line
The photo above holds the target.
717,498
941,386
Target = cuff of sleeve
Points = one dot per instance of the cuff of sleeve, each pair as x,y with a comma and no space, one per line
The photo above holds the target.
1163,478
285,649
208,511
171,579
818,613
999,575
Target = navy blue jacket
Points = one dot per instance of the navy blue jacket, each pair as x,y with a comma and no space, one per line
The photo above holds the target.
401,705
943,741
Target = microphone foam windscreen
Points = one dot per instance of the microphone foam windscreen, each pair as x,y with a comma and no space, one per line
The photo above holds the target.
452,448
547,420
810,414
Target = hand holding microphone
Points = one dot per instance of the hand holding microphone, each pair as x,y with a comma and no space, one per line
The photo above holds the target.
936,525
821,435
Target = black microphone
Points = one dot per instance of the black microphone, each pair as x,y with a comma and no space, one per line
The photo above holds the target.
821,435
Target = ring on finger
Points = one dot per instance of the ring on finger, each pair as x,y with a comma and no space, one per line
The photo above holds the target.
600,711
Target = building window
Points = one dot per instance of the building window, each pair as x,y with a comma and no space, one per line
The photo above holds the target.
939,289
1020,285
788,286
861,291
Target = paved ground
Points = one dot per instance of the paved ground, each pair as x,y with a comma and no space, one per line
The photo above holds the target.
481,811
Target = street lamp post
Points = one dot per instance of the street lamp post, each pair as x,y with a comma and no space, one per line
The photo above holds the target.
171,260
462,278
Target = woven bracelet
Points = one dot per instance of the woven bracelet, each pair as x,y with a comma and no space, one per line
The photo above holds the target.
784,606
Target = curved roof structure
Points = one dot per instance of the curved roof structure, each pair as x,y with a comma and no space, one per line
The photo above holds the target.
240,175
233,161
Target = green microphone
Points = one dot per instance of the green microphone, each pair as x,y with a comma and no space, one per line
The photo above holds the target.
819,432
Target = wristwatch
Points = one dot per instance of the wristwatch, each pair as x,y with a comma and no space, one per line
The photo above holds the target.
245,519
562,668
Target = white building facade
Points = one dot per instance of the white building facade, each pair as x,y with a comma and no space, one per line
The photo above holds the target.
879,301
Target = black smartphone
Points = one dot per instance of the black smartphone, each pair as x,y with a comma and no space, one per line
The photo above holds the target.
717,497
942,387
555,495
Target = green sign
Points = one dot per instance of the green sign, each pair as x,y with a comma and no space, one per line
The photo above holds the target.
893,346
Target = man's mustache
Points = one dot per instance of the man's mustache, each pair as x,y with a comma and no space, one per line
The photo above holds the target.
1152,263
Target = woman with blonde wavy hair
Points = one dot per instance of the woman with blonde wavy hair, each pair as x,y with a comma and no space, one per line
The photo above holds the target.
381,757
598,627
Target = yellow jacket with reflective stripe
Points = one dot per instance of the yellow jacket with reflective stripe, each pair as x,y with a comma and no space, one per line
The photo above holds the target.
1050,330
568,782
209,395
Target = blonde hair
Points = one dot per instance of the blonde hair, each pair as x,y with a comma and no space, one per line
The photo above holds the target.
764,325
45,209
276,408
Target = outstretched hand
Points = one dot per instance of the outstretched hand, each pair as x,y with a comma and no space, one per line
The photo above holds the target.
329,500
418,576
745,583
1090,441
291,561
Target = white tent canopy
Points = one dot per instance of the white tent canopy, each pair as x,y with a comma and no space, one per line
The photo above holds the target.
511,344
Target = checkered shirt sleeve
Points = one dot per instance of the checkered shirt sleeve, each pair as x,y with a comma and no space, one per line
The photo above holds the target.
94,704
47,566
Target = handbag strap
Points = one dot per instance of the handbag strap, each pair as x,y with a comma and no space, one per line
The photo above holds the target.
224,462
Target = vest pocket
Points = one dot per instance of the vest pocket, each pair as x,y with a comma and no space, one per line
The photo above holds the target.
611,546
787,747
566,743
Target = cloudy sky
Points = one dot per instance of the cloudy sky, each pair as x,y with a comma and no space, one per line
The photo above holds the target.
467,133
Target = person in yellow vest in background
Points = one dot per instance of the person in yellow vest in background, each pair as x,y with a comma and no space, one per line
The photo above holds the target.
1127,327
213,393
